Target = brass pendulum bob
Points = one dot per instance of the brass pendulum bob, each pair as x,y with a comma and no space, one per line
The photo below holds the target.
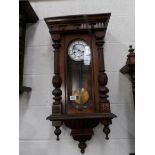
82,96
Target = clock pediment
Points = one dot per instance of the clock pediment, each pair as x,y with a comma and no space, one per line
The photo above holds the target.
78,23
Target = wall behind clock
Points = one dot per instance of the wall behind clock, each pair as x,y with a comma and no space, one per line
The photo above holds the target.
36,134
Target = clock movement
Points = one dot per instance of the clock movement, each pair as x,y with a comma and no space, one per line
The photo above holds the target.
80,92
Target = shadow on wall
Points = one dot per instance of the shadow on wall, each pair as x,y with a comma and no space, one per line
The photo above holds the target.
23,108
23,101
129,110
33,27
125,89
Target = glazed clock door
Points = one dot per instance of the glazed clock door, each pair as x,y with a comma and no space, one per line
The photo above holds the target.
79,77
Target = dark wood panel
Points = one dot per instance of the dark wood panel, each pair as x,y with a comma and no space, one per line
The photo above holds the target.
26,15
129,68
26,9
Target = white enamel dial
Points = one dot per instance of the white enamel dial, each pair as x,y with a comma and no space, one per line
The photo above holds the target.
77,50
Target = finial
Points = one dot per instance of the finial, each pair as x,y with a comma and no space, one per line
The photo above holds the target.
130,46
131,50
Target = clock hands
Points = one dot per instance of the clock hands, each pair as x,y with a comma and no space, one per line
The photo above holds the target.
78,52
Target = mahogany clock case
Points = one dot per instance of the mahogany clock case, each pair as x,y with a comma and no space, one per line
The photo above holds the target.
81,118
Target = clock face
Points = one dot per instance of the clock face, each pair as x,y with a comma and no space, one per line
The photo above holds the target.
78,49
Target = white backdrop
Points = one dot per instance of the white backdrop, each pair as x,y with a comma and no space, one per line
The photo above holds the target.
36,133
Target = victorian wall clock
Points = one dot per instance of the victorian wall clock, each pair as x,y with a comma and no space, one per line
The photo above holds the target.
80,94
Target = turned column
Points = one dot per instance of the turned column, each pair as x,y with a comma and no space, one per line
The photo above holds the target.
56,81
102,80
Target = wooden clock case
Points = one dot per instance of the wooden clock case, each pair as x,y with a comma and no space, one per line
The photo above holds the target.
92,29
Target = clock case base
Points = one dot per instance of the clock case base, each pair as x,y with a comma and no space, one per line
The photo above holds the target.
81,124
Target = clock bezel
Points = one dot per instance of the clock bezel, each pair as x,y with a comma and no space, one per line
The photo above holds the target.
74,40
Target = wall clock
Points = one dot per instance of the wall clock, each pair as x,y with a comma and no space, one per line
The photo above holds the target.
80,92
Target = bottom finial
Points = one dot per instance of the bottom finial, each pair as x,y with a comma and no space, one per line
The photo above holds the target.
82,146
106,130
57,132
